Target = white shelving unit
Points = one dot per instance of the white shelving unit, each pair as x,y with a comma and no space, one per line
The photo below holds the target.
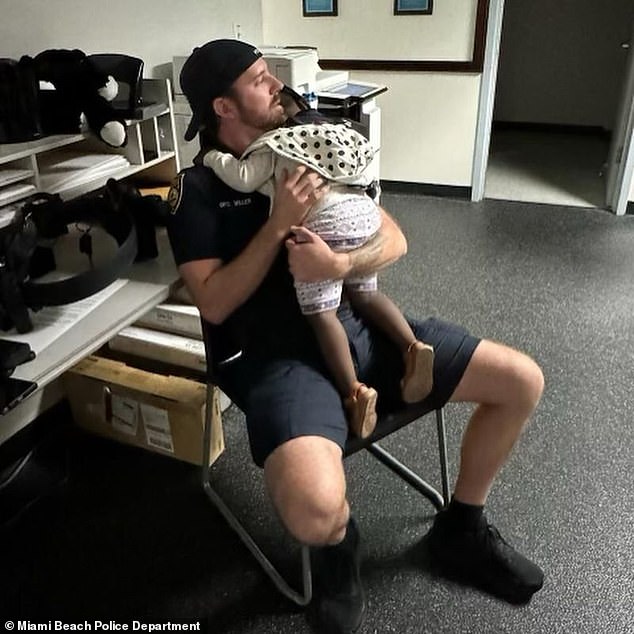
65,164
75,164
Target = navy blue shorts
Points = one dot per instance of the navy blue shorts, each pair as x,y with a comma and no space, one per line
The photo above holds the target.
286,398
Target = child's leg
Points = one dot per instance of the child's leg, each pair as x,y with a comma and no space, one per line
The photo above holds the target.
319,302
379,310
335,349
359,399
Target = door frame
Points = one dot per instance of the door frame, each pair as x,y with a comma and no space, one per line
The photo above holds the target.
486,100
620,169
488,82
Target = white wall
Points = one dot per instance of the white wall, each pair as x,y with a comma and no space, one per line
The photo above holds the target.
429,119
428,126
561,62
369,30
154,30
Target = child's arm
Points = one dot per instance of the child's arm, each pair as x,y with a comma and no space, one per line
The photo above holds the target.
244,175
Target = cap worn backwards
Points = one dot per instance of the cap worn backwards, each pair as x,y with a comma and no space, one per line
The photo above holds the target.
209,72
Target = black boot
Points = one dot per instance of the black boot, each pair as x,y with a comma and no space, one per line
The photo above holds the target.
338,604
479,556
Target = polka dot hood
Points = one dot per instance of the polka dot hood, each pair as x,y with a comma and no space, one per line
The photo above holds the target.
334,151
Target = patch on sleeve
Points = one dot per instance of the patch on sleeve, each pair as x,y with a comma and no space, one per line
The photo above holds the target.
175,193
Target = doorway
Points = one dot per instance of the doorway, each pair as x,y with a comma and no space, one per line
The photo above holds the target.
560,78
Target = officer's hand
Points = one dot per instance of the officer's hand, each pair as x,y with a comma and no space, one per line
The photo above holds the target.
310,259
295,193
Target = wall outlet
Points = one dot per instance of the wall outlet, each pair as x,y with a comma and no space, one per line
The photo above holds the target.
237,31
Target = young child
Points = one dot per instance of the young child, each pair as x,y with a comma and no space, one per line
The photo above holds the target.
345,218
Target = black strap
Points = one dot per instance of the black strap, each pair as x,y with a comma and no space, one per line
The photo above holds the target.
120,226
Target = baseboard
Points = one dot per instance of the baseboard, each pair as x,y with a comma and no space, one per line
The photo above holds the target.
425,189
553,128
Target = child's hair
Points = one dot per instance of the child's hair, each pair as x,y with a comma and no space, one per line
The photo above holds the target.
292,101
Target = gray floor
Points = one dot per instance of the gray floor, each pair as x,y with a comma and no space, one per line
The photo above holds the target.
558,283
553,167
132,535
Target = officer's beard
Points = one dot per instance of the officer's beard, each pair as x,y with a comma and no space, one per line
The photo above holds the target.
263,122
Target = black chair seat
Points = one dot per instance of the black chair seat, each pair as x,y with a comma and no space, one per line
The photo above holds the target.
387,424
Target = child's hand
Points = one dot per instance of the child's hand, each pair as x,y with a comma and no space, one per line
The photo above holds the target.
301,235
295,194
310,259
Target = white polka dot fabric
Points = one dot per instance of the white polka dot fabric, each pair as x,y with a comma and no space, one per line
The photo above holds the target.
334,151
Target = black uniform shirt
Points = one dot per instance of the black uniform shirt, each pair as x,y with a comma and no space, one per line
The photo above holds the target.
211,220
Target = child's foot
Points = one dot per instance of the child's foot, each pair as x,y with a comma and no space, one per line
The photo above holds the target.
418,378
361,410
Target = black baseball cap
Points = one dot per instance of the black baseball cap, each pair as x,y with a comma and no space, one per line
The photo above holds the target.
209,72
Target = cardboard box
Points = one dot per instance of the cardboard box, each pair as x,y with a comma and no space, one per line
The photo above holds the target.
166,347
179,319
158,190
163,414
161,346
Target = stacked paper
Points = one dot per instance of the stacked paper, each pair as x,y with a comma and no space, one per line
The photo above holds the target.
8,176
14,192
181,319
161,346
74,169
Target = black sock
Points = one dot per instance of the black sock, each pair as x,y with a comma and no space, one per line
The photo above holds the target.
461,516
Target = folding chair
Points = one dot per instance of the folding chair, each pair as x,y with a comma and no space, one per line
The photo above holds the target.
386,425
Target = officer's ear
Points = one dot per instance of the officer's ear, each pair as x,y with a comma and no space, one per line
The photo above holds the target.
225,108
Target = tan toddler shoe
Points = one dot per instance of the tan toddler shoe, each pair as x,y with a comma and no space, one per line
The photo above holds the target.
418,378
361,410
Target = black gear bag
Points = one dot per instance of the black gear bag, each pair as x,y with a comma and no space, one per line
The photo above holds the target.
19,101
23,259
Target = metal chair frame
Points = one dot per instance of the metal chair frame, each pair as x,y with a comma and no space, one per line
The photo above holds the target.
385,426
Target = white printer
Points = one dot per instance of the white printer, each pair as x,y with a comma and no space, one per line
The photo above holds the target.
299,68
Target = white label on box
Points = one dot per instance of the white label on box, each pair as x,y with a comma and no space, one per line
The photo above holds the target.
158,432
125,414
